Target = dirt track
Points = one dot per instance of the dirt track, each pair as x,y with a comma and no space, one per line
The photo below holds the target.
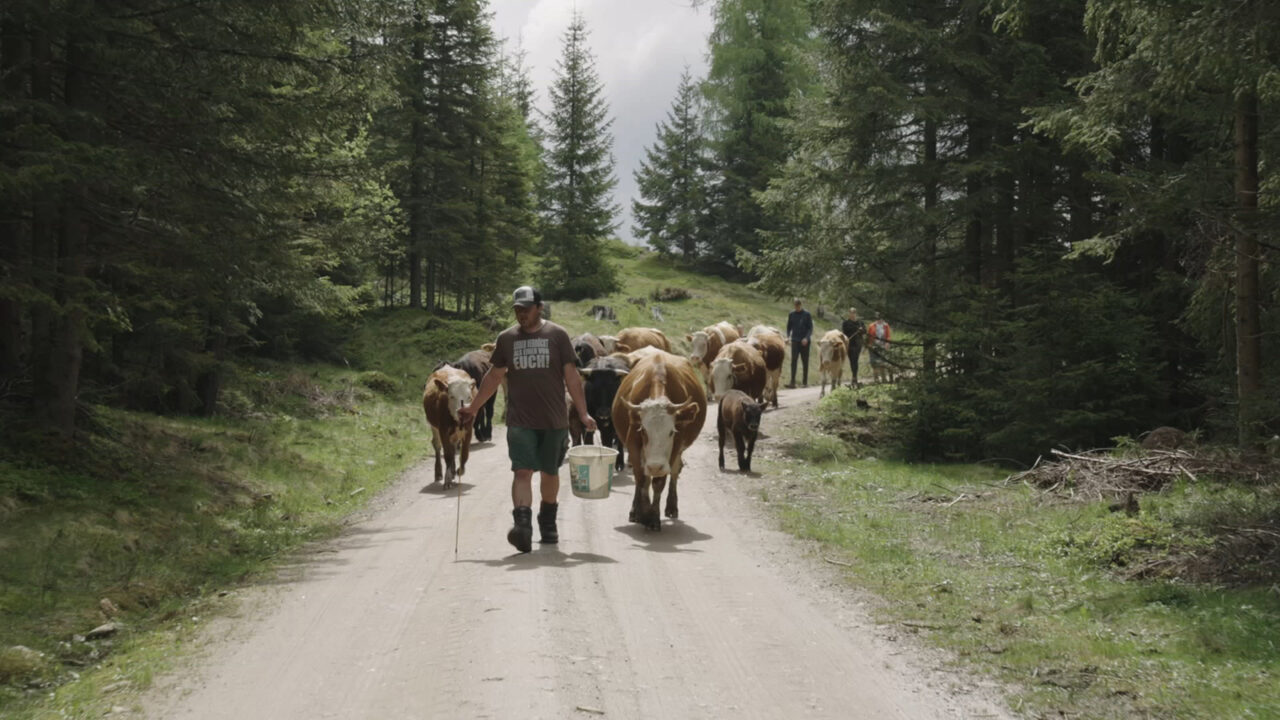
716,616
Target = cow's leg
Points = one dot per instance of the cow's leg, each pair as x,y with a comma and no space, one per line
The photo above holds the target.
751,448
488,418
720,432
640,498
450,454
466,450
435,444
672,501
651,519
740,444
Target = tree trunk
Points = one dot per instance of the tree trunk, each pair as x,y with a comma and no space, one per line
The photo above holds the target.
1248,319
58,370
13,230
930,344
417,164
976,230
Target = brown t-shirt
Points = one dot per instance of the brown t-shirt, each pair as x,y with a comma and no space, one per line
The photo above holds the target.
535,375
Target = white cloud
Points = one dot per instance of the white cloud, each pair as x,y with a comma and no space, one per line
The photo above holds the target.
640,47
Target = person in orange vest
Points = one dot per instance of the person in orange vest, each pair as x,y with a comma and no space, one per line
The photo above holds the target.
878,338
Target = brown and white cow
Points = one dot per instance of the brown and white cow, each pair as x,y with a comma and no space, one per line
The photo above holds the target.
634,338
739,416
706,344
768,340
448,389
738,366
832,354
658,412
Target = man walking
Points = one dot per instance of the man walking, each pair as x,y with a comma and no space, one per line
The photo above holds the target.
799,331
855,330
536,357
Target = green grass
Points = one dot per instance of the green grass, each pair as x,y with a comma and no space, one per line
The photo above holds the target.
713,299
1022,587
160,515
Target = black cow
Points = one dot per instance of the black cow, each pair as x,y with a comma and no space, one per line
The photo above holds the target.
600,384
740,415
476,364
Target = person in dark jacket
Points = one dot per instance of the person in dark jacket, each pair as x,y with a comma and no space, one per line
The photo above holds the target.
855,330
799,332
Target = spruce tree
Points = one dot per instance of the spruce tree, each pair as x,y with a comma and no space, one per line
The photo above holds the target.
672,181
578,213
758,62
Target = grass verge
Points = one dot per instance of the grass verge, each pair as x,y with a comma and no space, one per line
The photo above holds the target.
1031,588
146,522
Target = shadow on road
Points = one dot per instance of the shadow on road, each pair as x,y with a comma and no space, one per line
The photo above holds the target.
674,533
437,488
544,556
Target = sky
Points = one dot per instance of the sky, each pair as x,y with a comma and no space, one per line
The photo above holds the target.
640,48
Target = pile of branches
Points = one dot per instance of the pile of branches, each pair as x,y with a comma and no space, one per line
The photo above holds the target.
1104,474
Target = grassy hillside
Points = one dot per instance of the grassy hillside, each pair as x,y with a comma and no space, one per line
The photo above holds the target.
161,516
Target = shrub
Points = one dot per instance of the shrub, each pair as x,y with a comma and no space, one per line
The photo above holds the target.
670,294
379,382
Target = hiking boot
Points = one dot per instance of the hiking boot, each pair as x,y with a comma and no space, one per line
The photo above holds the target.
521,534
547,523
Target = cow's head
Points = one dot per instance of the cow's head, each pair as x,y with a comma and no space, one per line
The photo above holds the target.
827,350
751,411
722,371
657,419
460,389
610,342
600,385
585,353
699,342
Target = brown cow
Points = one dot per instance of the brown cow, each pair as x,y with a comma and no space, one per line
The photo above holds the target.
476,363
448,389
632,339
739,415
832,354
773,349
707,343
738,366
658,412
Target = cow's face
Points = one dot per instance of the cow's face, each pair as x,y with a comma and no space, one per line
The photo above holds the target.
657,418
460,390
600,386
610,342
751,415
699,341
826,351
721,377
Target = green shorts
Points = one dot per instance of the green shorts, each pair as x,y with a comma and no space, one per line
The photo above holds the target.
541,450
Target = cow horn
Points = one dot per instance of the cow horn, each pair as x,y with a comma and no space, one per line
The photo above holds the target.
620,372
585,372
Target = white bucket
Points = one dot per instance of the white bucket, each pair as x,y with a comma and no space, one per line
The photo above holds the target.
591,471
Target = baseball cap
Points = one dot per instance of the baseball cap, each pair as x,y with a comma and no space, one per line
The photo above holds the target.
525,296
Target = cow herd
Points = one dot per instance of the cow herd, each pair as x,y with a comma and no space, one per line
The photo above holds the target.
648,403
